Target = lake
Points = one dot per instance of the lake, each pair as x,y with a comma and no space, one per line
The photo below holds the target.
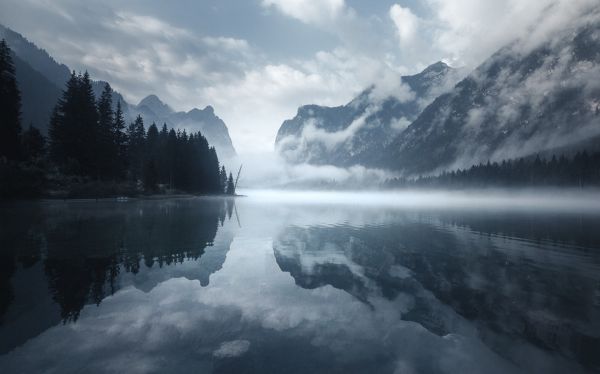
293,282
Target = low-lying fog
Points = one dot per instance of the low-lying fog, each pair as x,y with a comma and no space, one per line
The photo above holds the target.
576,200
269,170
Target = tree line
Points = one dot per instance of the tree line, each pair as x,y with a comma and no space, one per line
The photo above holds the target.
91,141
581,170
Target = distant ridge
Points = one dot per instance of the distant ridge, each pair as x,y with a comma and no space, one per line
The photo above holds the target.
354,134
41,80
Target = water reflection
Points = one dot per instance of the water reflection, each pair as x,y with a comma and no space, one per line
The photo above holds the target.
83,248
206,285
504,278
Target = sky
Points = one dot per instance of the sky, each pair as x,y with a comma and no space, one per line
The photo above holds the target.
257,61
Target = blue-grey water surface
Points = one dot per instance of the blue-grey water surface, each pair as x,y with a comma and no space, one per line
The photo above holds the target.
304,283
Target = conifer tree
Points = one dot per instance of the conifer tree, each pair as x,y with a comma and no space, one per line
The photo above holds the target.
222,180
87,146
150,176
119,141
171,156
230,185
212,181
60,129
34,144
151,154
107,150
74,128
10,106
152,142
162,161
135,147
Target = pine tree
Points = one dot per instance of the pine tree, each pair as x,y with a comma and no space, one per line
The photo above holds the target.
151,154
230,185
150,176
162,162
87,147
74,129
152,142
119,141
34,144
213,177
223,180
107,150
60,130
171,156
136,138
10,106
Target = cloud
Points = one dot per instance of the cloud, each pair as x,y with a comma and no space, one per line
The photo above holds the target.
272,93
270,170
142,50
361,34
407,24
232,348
400,124
468,31
318,12
311,132
227,43
137,25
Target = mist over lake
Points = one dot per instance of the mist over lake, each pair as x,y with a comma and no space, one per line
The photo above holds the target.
300,186
354,282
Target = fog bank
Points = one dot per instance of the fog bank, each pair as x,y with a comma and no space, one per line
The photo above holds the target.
529,199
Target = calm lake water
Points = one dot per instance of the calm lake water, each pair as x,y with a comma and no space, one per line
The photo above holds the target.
302,283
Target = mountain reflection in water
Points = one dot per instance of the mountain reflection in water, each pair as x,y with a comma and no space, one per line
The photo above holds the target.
186,286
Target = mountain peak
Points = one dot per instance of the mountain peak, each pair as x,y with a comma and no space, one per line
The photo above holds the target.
151,100
209,109
437,67
156,105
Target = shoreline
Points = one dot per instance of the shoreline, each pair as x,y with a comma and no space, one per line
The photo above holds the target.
121,199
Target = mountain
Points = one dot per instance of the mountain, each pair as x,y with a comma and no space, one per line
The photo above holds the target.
356,132
41,80
154,105
98,87
39,77
152,109
36,57
529,97
38,95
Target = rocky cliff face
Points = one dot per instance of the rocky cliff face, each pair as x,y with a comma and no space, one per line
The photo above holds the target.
152,109
525,99
532,96
356,132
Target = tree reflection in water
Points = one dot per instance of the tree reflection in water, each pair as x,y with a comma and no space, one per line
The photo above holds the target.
518,276
84,246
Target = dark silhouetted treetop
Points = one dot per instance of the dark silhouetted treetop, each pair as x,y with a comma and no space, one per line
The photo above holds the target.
74,129
230,185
